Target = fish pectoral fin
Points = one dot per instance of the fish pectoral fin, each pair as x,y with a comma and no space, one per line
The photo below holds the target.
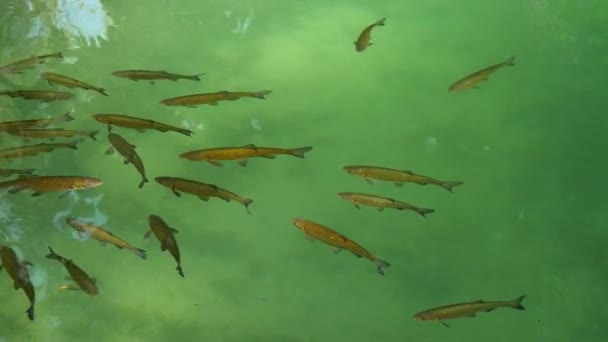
204,198
242,162
310,238
117,246
490,309
110,150
176,193
445,324
369,181
337,250
270,156
215,163
103,243
357,206
65,193
163,247
16,286
27,263
94,280
148,234
357,255
173,230
380,209
37,193
398,184
126,161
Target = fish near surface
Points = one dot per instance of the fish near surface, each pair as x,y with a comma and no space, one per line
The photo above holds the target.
213,98
19,66
32,150
51,133
381,203
87,229
17,270
42,184
473,80
316,231
69,82
80,277
365,37
127,150
136,123
42,95
166,237
21,124
241,154
398,177
154,75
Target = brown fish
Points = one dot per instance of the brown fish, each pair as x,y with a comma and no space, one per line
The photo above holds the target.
212,98
165,236
87,229
19,172
20,124
138,124
315,231
42,95
51,133
398,177
28,63
17,270
42,184
467,309
381,202
32,150
80,277
240,154
69,82
231,196
152,75
127,150
474,79
365,37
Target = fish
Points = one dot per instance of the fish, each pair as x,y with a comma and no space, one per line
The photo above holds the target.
473,80
80,277
42,95
30,62
43,184
51,133
154,75
32,150
88,229
19,172
139,124
17,270
240,154
127,150
381,202
398,177
69,82
20,124
316,231
470,309
204,191
365,37
166,237
212,98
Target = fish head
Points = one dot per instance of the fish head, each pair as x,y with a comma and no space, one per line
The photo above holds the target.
298,223
74,223
344,195
89,182
355,169
423,316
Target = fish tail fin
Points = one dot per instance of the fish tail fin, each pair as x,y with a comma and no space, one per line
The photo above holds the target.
58,55
74,144
68,116
185,132
179,270
510,61
143,181
424,211
246,203
299,152
380,22
449,185
380,264
30,312
195,77
102,91
92,134
139,252
261,94
516,303
53,255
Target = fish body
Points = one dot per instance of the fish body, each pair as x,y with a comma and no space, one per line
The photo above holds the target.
316,231
153,75
166,237
365,37
51,133
358,198
32,150
467,309
472,80
69,82
19,172
80,277
42,95
43,184
139,124
86,229
240,154
21,124
212,98
127,150
30,62
17,270
398,177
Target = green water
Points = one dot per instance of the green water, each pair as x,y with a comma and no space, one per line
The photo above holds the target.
528,145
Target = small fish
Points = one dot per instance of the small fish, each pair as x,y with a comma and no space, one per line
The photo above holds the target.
28,63
365,37
80,277
69,82
381,202
43,184
475,78
32,150
51,133
127,150
241,154
19,172
20,124
467,309
138,124
87,229
42,95
398,177
152,75
166,237
212,98
17,270
316,231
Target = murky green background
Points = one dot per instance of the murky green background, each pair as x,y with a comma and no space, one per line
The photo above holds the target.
529,146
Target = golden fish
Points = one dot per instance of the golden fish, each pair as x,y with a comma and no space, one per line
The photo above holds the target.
315,231
474,79
69,82
43,184
381,202
240,154
212,98
32,150
17,270
467,309
27,63
398,177
365,37
152,75
51,133
139,124
20,124
87,229
127,150
80,277
166,237
20,172
42,95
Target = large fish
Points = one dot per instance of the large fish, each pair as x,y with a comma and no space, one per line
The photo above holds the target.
69,82
19,66
43,184
136,123
365,37
32,150
166,237
80,277
473,80
398,177
127,150
213,98
17,270
20,124
153,75
42,95
381,203
240,154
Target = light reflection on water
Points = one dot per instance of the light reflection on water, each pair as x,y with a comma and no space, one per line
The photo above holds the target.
82,21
